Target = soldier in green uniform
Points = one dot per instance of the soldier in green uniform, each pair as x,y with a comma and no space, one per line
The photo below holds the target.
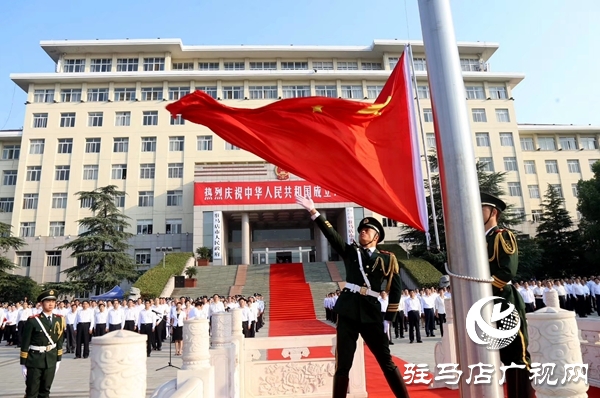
504,260
357,308
41,348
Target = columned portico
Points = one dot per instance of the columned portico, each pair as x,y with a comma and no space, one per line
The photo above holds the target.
323,251
245,239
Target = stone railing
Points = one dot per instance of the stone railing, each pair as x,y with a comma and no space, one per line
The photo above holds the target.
590,347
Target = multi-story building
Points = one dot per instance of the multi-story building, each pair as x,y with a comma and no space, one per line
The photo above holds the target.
100,119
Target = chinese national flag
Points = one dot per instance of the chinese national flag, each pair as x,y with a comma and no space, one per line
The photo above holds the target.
367,153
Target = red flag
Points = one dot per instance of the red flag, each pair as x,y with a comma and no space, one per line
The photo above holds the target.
367,153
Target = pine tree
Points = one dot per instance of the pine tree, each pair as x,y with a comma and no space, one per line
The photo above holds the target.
8,242
100,251
588,193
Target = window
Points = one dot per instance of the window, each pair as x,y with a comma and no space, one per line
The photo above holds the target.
529,166
355,92
23,259
423,92
536,215
568,143
322,65
67,119
57,228
427,115
208,66
393,61
46,95
36,147
74,65
124,94
546,143
27,229
326,91
146,198
388,222
86,203
296,91
65,145
233,92
9,177
479,115
59,200
534,191
147,170
92,145
175,170
97,94
588,143
183,66
289,65
527,144
148,144
7,205
231,147
370,66
502,116
574,190
237,65
40,120
558,189
152,94
514,189
150,118
373,91
263,65
176,93
122,118
95,119
90,172
154,64
204,142
121,145
53,258
498,92
551,167
506,139
592,163
120,201
143,256
101,65
420,64
573,165
519,213
144,227
177,121
487,164
70,95
210,90
470,65
475,92
174,198
482,139
173,226
127,64
263,92
62,173
118,172
346,65
510,164
430,137
176,144
11,152
30,201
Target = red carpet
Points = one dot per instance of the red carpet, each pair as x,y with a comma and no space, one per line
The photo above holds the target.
289,294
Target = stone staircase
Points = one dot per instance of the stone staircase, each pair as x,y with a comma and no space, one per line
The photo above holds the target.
318,278
257,281
211,280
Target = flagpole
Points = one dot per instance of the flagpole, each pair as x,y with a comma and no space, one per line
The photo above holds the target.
463,220
427,166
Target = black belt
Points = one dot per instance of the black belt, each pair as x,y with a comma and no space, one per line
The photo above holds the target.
144,324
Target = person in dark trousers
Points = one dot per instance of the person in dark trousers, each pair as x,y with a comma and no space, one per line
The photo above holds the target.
147,324
357,308
412,307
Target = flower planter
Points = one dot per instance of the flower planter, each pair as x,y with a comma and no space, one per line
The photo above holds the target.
202,262
191,282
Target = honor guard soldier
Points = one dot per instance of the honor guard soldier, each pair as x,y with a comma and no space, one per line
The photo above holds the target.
41,349
504,260
357,308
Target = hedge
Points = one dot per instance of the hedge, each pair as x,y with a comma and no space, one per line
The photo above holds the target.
421,271
153,281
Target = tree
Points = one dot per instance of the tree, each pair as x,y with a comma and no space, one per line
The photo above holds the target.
8,242
588,205
101,254
530,258
14,288
556,236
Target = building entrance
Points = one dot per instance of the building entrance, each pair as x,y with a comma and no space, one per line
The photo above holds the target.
269,255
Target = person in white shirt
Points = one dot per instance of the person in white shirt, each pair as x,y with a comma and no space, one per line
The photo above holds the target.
428,302
24,313
246,318
12,318
84,326
439,307
147,325
580,297
101,321
412,307
116,317
383,301
549,288
538,293
588,297
571,299
70,329
177,321
528,298
253,316
160,326
400,321
596,293
216,306
130,315
197,312
562,294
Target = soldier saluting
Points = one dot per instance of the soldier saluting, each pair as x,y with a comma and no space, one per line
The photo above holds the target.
41,348
357,308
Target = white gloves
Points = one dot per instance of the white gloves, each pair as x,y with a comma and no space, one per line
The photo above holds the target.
307,203
57,367
24,371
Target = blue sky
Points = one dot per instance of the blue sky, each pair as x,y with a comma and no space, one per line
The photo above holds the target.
553,42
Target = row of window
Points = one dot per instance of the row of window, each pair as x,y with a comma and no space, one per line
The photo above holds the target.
96,119
510,164
476,92
569,143
514,189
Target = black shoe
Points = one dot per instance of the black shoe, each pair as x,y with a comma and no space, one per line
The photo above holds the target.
148,355
397,337
411,342
391,342
427,334
84,357
401,337
159,349
420,341
433,335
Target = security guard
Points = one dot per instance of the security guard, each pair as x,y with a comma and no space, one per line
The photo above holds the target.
357,308
504,260
41,349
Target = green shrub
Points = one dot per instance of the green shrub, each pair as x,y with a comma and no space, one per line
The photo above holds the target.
153,281
421,271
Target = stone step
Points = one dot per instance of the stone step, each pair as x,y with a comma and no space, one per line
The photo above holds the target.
213,279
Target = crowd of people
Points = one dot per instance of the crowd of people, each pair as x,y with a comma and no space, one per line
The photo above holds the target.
160,319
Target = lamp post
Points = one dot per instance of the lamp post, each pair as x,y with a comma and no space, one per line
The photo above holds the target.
164,251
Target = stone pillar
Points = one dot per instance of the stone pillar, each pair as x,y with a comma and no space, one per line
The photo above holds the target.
222,354
554,339
196,342
118,365
237,337
245,239
323,244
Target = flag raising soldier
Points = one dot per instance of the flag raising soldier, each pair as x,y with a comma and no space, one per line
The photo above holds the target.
357,308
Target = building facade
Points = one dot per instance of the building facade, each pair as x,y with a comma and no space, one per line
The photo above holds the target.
100,119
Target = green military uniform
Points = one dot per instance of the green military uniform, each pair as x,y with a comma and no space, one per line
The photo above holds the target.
41,362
